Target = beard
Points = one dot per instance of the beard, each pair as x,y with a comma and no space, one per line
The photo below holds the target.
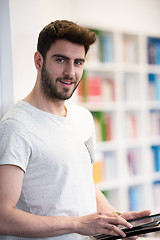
49,87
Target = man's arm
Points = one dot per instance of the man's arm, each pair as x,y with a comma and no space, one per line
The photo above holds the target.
104,205
102,202
19,223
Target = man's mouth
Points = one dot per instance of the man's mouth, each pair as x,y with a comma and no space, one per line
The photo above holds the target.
66,82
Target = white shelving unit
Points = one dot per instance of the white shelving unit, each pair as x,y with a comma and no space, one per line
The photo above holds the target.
127,159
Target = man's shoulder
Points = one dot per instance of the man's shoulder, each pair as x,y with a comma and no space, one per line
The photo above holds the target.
78,109
16,115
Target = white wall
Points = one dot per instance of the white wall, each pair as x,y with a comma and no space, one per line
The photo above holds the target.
28,17
25,26
130,15
6,86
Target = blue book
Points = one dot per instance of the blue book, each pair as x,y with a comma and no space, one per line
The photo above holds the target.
135,198
151,51
158,53
157,87
152,78
108,48
156,155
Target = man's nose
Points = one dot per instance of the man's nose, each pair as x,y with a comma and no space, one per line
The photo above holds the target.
69,70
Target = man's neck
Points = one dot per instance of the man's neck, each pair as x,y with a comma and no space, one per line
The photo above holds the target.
48,105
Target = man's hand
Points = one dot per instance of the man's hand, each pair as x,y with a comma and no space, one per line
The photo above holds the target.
101,223
133,215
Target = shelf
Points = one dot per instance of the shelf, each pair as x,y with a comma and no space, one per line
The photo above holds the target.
126,87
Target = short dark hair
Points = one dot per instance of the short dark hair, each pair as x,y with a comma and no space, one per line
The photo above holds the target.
64,29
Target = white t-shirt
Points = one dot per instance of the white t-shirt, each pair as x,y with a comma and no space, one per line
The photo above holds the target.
56,154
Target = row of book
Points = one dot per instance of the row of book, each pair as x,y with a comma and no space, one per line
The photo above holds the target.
102,50
105,169
135,197
96,88
153,46
105,125
154,86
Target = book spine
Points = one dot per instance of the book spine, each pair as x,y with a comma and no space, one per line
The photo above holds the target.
134,199
156,194
154,51
156,157
108,47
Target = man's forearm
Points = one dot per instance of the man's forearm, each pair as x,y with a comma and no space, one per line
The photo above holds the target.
18,223
22,224
102,202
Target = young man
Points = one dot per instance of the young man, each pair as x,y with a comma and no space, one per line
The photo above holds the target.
47,151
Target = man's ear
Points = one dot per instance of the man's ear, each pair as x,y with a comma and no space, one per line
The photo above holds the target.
38,60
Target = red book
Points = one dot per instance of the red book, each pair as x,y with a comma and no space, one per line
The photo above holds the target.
94,86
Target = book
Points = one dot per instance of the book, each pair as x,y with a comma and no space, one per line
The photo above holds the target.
108,47
130,48
154,86
154,117
102,50
156,195
101,125
153,47
134,194
133,156
110,166
131,125
156,157
108,89
98,169
94,88
109,127
82,88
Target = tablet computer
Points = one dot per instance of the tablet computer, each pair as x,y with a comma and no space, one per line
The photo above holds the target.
140,226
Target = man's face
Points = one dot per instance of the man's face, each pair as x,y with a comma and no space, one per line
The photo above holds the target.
62,69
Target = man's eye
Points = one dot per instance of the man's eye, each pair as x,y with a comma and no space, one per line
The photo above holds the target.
78,62
59,60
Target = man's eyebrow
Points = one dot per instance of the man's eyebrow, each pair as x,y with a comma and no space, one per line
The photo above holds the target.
60,55
67,58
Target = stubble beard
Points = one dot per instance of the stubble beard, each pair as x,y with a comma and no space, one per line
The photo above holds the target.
50,91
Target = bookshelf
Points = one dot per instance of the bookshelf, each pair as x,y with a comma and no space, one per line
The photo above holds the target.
121,88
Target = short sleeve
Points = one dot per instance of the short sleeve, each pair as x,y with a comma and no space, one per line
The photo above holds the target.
15,144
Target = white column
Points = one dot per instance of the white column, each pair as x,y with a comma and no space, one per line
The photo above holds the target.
6,85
